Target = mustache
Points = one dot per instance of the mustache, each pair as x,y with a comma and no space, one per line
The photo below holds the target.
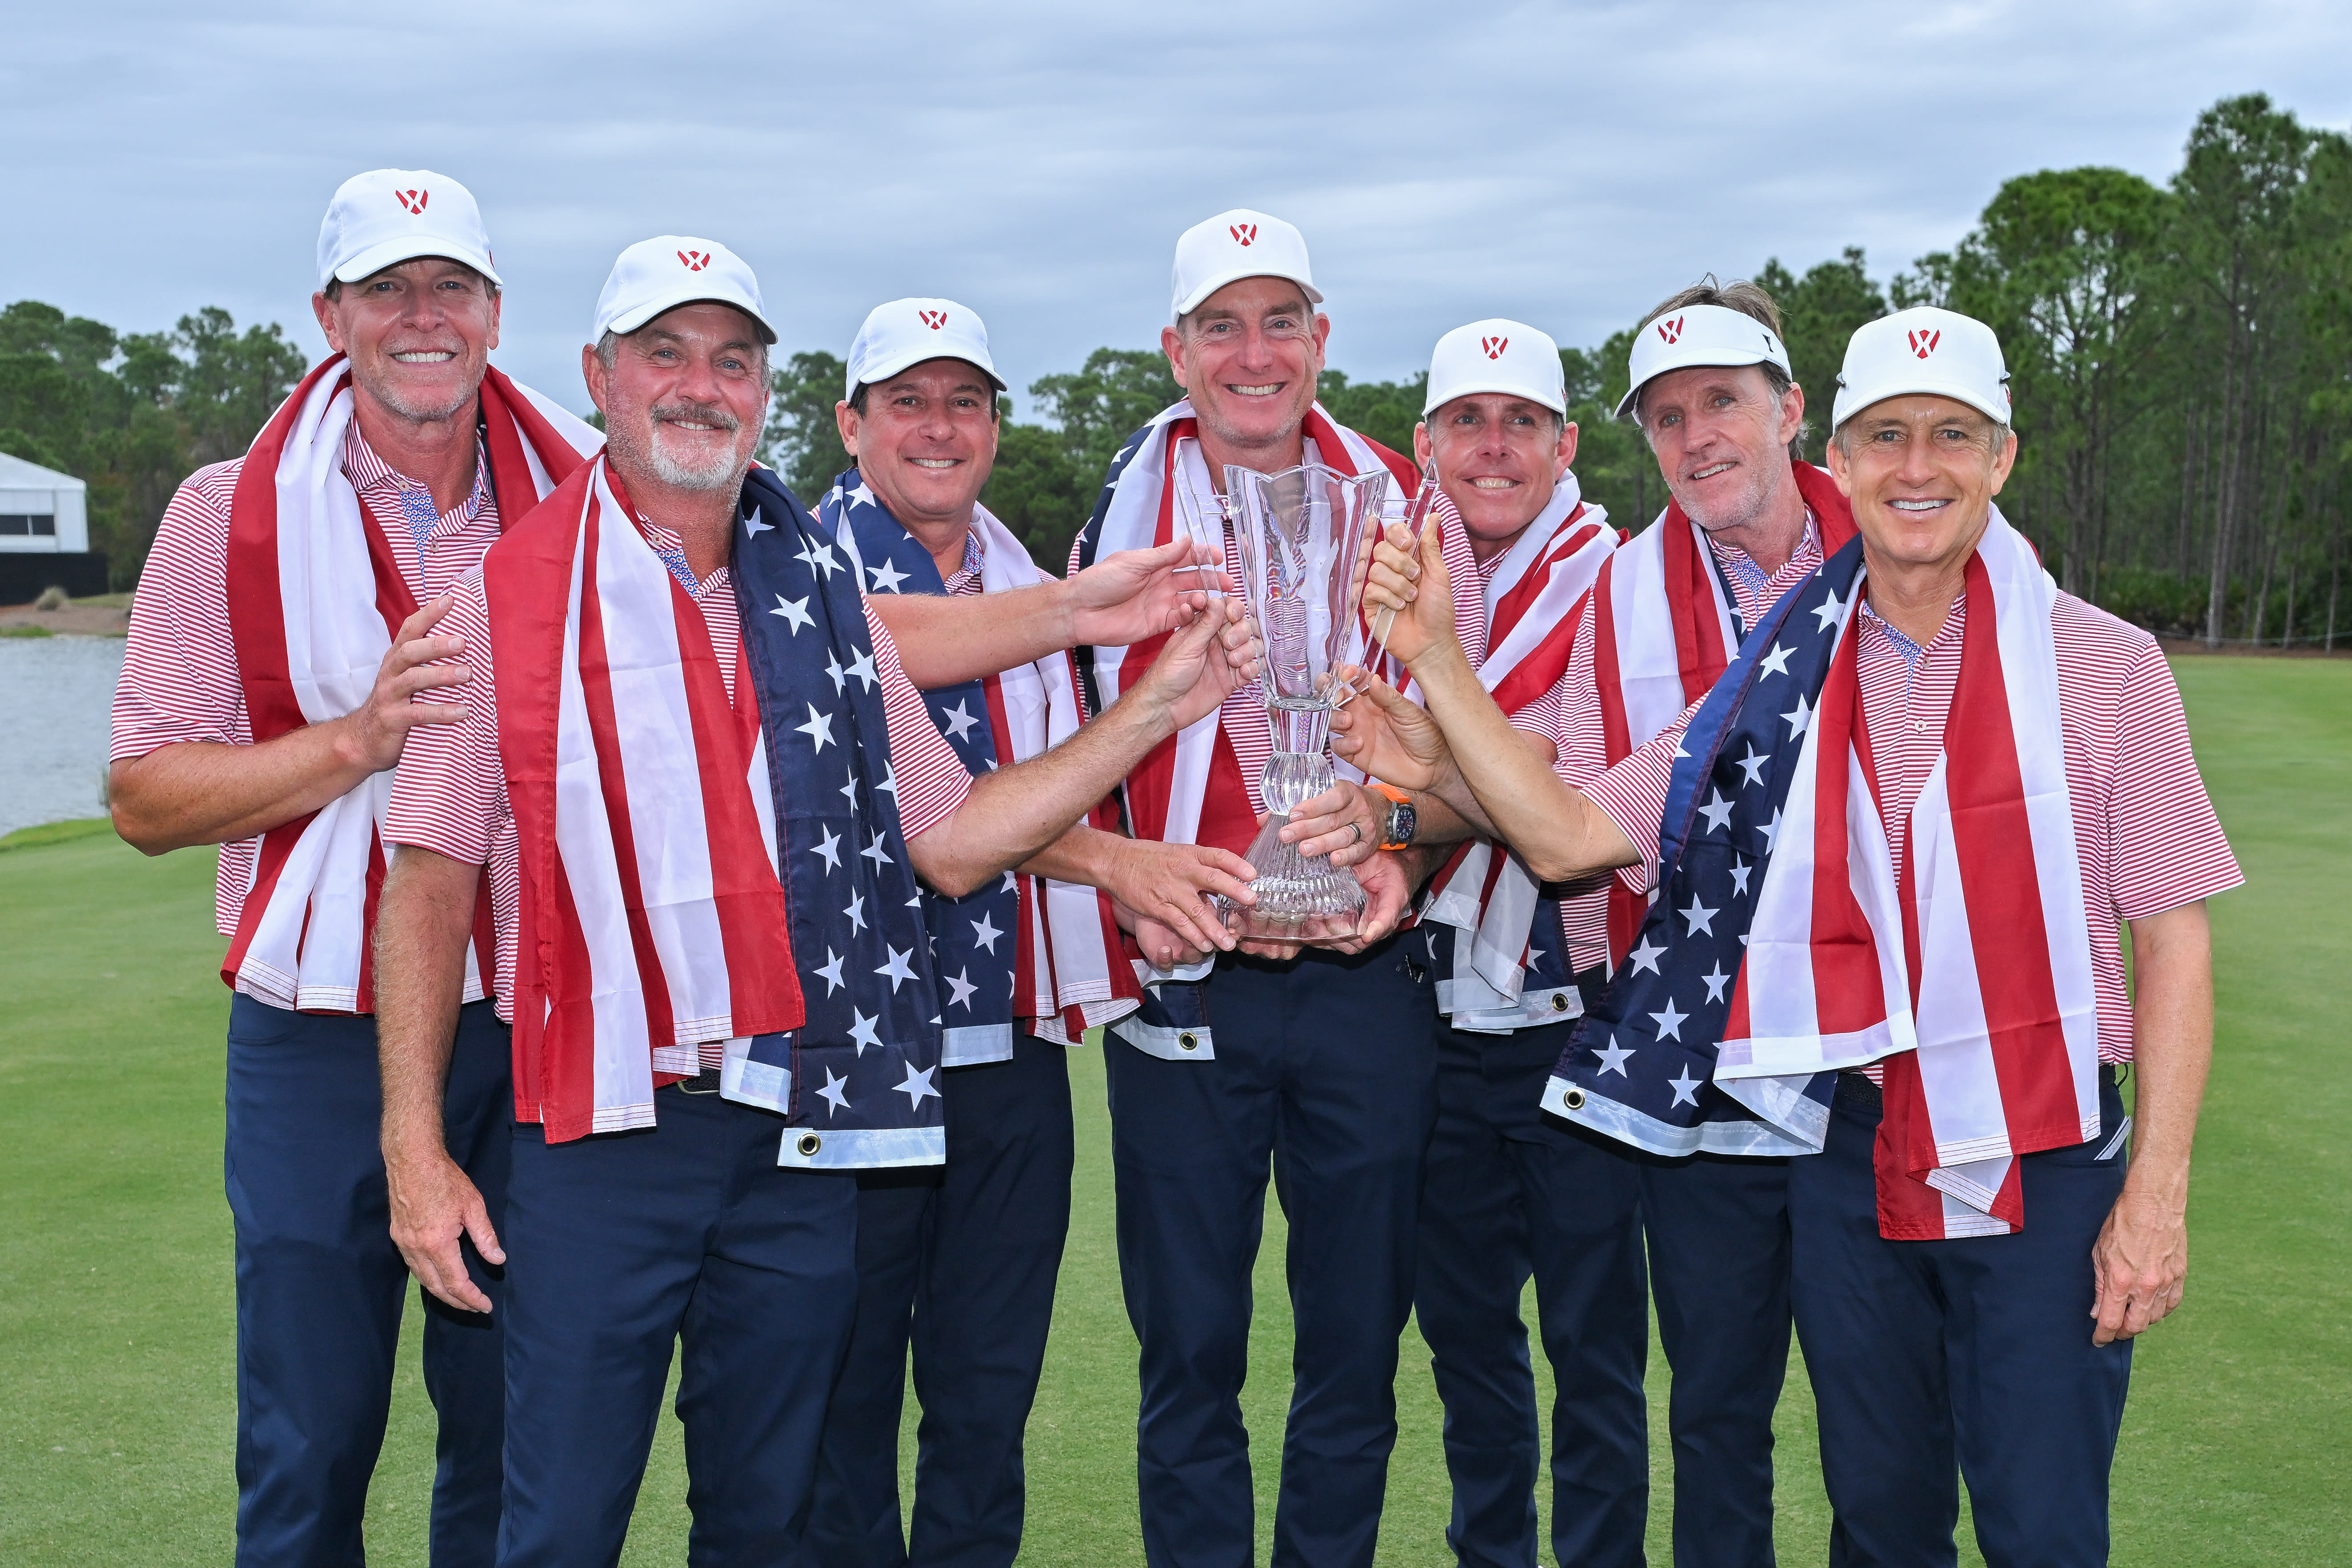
711,414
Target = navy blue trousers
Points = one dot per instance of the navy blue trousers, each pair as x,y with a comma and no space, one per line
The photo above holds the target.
1325,1066
622,1244
1719,1269
1512,1193
957,1263
1932,1360
321,1287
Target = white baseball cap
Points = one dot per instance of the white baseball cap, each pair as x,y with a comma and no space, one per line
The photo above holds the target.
1923,350
908,332
386,216
673,269
1237,243
1700,334
1496,355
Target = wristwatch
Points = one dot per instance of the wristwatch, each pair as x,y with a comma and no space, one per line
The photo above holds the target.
1403,820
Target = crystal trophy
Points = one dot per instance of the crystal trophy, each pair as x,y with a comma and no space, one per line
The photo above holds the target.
1305,536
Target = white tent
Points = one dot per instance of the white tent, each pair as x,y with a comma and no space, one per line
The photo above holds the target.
41,511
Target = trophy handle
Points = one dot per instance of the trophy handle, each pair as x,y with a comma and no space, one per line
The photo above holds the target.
1416,517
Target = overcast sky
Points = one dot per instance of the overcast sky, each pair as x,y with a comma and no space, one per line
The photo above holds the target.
1563,164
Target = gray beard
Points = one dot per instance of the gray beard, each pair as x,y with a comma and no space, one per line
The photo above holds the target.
416,412
721,471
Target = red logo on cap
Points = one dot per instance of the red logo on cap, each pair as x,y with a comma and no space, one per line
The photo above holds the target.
934,319
1670,332
1924,343
694,260
1493,347
412,202
1244,233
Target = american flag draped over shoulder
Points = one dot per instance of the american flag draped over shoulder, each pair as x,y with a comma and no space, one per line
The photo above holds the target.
1497,943
1664,626
861,1074
973,939
1056,942
1782,947
314,601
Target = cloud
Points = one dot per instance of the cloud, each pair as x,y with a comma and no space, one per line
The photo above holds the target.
1565,164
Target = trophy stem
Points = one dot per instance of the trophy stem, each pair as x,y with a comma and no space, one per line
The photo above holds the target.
1298,896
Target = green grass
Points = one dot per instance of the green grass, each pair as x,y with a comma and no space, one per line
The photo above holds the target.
115,1304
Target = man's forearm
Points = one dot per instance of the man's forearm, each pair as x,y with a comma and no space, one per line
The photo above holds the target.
2172,976
945,639
1560,834
202,792
424,920
1082,855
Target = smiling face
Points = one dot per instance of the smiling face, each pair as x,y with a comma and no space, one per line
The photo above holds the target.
418,335
1921,472
684,398
1721,438
1497,458
926,441
1248,358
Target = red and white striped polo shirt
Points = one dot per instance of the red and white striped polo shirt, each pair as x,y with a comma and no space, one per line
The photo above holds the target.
450,794
2144,827
1569,715
180,679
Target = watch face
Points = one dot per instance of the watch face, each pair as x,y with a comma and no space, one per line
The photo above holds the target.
1403,820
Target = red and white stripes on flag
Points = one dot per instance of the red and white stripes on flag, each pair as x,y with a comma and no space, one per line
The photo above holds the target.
1068,976
314,598
1971,977
651,918
1536,597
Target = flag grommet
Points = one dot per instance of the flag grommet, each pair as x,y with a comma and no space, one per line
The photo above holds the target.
1573,1100
1189,1041
809,1144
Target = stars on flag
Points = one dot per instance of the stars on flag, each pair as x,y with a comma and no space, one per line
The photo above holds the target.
830,973
957,722
1740,871
1830,612
1613,1057
875,853
1646,956
828,849
794,611
985,932
918,1085
832,668
1716,981
818,729
1717,811
855,913
836,1090
1698,917
886,577
1753,765
862,667
1800,717
1686,1087
1775,663
963,988
861,1031
899,968
1669,1023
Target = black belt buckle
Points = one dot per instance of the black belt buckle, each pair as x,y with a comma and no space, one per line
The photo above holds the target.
704,1082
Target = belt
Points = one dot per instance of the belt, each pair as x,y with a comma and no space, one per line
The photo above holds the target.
704,1082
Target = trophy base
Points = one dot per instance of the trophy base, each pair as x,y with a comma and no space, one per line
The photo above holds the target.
1300,898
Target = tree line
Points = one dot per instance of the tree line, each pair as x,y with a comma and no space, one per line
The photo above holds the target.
2180,355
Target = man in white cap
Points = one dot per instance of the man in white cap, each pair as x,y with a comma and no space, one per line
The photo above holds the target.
1510,1192
1710,388
704,790
283,623
959,1262
1909,903
1320,1062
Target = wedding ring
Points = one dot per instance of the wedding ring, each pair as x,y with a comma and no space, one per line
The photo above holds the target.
1360,832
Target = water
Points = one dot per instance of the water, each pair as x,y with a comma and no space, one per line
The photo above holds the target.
57,695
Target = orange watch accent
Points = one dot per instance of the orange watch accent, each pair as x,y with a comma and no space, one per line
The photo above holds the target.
1396,797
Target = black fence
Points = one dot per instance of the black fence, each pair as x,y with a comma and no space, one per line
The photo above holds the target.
25,574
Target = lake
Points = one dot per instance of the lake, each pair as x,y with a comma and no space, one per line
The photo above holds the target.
57,699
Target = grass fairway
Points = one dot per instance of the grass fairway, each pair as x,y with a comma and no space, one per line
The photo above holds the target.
115,1287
